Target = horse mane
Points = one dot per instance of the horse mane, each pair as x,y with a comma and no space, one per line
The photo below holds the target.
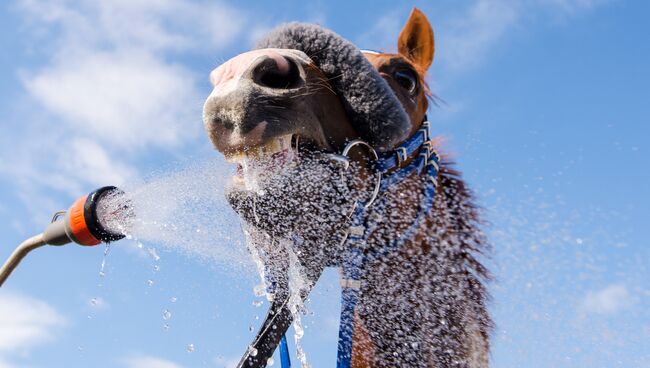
456,210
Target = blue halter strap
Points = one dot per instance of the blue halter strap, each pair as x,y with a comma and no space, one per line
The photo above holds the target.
362,226
427,162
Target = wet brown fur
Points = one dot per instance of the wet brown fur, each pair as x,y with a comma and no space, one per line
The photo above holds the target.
467,341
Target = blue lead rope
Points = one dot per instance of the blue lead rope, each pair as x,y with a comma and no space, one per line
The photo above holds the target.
285,360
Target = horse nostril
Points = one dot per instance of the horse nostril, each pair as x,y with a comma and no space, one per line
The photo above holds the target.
269,74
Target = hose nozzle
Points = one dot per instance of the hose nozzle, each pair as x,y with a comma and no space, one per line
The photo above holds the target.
83,224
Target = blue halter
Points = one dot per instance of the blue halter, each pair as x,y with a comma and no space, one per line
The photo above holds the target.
362,226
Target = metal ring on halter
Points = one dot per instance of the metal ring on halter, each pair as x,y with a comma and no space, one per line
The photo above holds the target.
359,142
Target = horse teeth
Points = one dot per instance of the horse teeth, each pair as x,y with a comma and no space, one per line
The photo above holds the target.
276,145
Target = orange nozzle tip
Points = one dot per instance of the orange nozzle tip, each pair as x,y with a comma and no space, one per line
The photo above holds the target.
78,225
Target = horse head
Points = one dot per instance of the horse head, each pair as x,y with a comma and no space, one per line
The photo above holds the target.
283,113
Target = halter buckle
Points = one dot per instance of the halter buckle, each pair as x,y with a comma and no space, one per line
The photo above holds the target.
350,284
434,164
433,180
356,230
436,157
425,157
424,128
402,155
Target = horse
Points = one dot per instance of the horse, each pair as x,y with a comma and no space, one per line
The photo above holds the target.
279,113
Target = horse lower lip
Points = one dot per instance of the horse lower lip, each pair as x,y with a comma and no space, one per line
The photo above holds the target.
265,166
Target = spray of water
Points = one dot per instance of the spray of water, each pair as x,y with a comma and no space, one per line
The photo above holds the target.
183,210
298,286
293,220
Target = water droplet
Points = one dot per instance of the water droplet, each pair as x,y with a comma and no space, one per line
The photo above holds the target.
270,362
252,350
154,255
250,328
166,314
299,332
156,268
150,282
173,299
102,273
579,241
259,290
93,301
166,327
258,303
190,348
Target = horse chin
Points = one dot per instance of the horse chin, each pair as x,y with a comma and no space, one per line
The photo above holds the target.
306,200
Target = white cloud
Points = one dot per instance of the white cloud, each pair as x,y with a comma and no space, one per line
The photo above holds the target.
127,99
109,77
25,322
108,92
466,39
382,36
93,162
53,163
143,361
611,299
139,24
5,364
572,6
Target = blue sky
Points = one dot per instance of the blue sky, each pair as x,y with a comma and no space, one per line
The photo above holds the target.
545,107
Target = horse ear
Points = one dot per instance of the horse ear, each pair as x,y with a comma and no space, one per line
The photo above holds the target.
416,40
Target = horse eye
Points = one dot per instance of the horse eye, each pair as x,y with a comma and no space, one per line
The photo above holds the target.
407,79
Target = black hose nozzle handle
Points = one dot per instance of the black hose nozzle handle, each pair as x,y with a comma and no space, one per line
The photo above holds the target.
275,325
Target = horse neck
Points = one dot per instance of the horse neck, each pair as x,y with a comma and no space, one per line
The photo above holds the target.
427,291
